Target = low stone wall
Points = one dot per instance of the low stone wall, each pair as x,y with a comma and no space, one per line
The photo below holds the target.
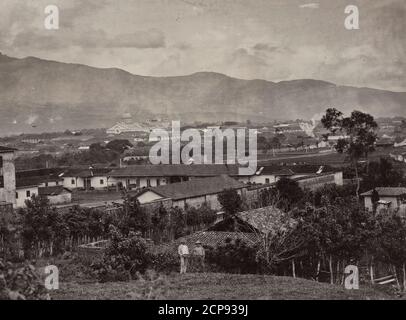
92,252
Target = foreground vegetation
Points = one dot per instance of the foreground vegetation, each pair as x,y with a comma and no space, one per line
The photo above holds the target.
217,286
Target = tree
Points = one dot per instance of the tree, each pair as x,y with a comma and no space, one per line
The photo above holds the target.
231,203
389,245
119,145
42,227
132,217
382,174
289,193
357,133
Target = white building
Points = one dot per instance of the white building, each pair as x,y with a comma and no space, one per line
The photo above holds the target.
87,179
392,198
193,193
123,127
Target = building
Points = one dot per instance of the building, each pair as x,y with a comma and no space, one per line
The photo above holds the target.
86,178
123,127
192,193
392,198
25,189
311,176
140,176
7,175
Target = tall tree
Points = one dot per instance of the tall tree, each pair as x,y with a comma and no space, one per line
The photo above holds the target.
231,203
382,174
358,135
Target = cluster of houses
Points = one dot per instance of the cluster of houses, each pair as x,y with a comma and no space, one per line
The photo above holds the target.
182,184
172,185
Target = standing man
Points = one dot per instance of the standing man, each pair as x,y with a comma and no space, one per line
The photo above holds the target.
199,254
183,252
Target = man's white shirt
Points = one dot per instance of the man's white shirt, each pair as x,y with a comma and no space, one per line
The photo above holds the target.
183,249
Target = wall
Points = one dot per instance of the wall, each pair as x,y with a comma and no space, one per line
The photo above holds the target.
67,183
22,195
80,182
316,182
95,182
50,184
138,182
8,192
64,197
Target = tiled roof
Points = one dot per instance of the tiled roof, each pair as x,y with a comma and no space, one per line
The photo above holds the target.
292,169
6,149
208,239
35,177
52,191
261,219
196,187
387,191
168,170
86,173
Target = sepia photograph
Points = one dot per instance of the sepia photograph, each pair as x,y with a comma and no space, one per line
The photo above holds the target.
202,150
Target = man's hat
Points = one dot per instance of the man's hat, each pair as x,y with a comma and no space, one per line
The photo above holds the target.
198,242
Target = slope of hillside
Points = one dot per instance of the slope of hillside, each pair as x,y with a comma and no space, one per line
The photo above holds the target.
40,95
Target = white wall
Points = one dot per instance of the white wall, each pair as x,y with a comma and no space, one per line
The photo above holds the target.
22,195
64,197
80,182
140,182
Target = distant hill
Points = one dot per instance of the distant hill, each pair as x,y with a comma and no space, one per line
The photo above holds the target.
38,95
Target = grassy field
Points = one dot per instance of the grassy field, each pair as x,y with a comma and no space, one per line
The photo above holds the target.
217,286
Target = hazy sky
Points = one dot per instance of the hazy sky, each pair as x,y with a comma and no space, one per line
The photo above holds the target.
267,39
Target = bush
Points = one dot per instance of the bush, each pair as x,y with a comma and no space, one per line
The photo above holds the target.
165,261
233,257
20,282
124,258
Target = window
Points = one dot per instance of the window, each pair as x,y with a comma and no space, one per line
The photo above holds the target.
148,183
16,195
1,181
46,184
1,162
267,180
101,181
28,193
72,181
158,182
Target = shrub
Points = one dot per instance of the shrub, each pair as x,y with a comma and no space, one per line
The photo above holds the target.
165,261
233,257
123,259
20,282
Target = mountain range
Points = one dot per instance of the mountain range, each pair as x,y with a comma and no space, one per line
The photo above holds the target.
38,95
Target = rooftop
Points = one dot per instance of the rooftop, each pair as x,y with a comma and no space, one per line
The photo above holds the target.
86,172
7,149
52,191
214,238
168,170
387,191
196,187
261,219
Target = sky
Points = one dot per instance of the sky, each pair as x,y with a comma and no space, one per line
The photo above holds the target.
274,40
